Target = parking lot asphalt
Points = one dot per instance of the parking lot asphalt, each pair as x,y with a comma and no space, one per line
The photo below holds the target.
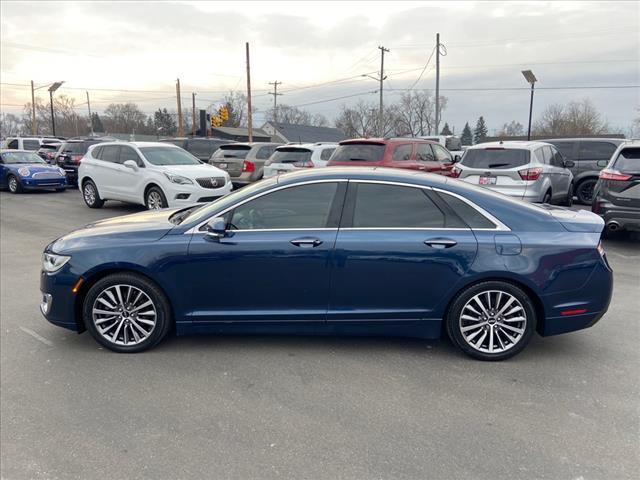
303,407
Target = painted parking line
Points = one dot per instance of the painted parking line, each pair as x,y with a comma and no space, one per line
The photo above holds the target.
38,337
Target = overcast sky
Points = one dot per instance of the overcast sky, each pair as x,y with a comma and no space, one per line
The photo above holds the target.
140,48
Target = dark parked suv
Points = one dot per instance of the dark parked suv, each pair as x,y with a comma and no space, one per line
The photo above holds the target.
590,155
201,148
70,154
616,197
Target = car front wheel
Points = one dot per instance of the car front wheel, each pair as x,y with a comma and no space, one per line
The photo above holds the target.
155,199
126,313
492,320
14,184
91,195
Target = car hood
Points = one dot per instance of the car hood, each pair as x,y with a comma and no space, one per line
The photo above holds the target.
33,167
144,227
194,171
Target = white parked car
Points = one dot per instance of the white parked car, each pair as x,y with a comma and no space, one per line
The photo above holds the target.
288,158
153,174
27,143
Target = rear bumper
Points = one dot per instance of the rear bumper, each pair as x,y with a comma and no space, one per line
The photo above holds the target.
593,297
621,218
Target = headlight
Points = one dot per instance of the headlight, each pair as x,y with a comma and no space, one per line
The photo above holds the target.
61,171
24,171
179,179
52,262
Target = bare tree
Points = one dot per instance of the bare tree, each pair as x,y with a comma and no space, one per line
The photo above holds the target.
124,118
296,116
68,122
362,120
574,118
10,124
236,103
511,129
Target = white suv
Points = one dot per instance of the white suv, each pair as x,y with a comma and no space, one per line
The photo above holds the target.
288,158
156,175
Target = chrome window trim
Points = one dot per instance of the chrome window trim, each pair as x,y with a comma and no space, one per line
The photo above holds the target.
197,228
499,225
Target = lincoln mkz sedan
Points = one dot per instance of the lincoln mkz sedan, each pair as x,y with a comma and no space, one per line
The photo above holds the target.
335,251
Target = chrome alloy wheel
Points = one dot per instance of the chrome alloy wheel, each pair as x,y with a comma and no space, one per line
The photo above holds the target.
13,185
154,200
89,192
124,315
493,321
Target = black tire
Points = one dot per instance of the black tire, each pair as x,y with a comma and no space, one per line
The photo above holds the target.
91,195
547,197
163,318
454,322
568,200
14,185
584,190
154,199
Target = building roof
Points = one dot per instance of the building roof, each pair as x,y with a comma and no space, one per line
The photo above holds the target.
240,131
307,133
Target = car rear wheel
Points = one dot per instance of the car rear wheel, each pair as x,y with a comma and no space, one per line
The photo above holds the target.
91,195
491,321
568,200
584,190
155,199
547,197
14,184
126,313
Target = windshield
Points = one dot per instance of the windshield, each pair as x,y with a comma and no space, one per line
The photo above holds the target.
495,158
10,158
628,161
368,152
232,151
291,155
168,156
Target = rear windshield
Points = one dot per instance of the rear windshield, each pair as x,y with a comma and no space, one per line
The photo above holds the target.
495,158
628,161
358,152
232,151
453,143
291,155
79,148
31,144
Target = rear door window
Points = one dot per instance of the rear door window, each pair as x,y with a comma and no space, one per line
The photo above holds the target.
31,144
394,206
596,150
442,155
402,152
110,153
499,158
359,152
628,161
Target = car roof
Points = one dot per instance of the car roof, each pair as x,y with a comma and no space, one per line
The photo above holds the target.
591,139
308,146
9,150
141,144
384,140
511,144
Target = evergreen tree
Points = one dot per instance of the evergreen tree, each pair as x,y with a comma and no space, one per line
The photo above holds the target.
446,130
96,123
164,123
480,132
467,136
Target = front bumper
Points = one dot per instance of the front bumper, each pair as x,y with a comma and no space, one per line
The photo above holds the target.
185,195
58,300
44,183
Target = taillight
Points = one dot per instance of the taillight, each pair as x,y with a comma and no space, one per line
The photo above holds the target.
248,166
455,172
530,173
307,164
614,175
76,158
601,249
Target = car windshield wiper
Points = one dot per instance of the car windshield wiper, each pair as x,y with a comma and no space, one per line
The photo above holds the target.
362,160
496,165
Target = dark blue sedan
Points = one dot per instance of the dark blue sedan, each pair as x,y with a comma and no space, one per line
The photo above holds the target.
335,251
24,170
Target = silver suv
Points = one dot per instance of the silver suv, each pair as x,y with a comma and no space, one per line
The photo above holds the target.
531,171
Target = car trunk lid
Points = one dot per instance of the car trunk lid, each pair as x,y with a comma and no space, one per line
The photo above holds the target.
576,220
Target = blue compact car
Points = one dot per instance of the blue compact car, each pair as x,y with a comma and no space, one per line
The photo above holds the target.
23,169
335,251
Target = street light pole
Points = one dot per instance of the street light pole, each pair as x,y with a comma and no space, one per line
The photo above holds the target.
530,78
54,86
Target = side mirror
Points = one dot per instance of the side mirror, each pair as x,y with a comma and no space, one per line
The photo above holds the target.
603,163
217,227
131,164
456,158
569,164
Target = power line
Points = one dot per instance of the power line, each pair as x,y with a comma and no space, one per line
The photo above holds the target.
501,89
336,98
423,70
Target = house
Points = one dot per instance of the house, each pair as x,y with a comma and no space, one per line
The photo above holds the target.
288,132
240,134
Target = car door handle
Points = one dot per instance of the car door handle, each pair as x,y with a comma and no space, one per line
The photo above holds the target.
306,242
440,243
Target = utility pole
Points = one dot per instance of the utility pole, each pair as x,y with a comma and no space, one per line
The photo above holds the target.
437,119
275,99
382,77
34,130
249,113
90,117
53,117
193,114
180,129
